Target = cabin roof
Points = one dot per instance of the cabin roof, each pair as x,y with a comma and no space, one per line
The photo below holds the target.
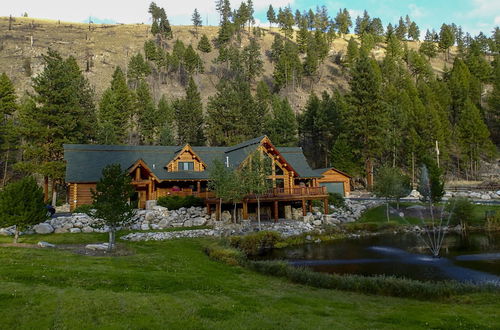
85,162
321,171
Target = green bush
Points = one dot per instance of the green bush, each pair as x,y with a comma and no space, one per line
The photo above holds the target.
83,208
255,243
224,254
176,202
379,285
336,200
461,210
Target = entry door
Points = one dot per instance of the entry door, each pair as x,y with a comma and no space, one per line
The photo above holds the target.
142,198
334,187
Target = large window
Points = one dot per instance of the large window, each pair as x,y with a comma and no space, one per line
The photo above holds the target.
186,166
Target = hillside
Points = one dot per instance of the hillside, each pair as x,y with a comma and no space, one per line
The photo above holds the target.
111,45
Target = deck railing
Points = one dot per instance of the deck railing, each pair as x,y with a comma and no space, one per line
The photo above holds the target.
274,192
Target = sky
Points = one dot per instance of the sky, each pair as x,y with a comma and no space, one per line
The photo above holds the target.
473,15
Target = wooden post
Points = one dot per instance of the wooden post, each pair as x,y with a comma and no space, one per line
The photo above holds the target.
217,211
138,174
198,186
325,201
275,211
245,210
75,195
304,211
310,206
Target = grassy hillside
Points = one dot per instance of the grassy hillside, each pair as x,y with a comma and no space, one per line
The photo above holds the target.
112,45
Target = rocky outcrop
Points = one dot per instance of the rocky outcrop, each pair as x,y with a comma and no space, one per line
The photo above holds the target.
475,195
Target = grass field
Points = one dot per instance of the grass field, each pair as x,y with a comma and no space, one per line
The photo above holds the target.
174,285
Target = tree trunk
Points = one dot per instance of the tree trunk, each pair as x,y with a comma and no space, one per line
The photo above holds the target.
258,212
5,168
234,213
369,173
16,236
387,210
46,188
111,244
54,193
220,209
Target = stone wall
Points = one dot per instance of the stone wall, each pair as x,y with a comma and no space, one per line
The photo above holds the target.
157,218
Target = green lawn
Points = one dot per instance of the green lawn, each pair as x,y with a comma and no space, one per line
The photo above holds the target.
174,285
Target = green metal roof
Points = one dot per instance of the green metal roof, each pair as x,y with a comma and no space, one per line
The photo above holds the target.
85,162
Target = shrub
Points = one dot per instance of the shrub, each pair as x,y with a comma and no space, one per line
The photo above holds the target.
223,254
461,210
22,205
336,200
176,202
255,243
380,285
83,208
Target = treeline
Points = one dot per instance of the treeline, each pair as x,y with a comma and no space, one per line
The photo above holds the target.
397,111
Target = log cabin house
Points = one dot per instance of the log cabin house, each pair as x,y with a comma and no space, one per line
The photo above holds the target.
158,171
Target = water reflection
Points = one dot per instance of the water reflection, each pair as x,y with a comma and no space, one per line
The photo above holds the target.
474,258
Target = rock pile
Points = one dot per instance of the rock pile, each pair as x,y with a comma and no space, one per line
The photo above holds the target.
157,218
483,195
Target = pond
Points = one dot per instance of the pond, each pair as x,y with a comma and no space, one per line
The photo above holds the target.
471,258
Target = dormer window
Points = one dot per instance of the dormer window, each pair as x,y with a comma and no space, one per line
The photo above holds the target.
186,166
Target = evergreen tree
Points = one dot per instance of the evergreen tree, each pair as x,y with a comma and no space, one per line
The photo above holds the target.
283,125
286,21
197,21
362,24
401,29
288,67
446,39
138,69
204,44
189,117
343,21
303,36
352,52
62,112
376,28
116,110
192,61
147,114
225,26
8,106
367,112
271,15
428,47
413,31
493,100
343,158
22,205
389,31
150,51
252,60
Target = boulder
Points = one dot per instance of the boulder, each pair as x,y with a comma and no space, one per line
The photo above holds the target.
317,222
163,223
475,195
150,204
226,216
87,229
45,245
97,247
414,194
485,196
61,230
43,228
145,226
75,230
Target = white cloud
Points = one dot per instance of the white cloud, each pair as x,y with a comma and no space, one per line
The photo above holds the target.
485,8
497,20
355,13
415,11
124,11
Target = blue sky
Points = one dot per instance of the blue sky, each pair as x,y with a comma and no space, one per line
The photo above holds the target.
472,15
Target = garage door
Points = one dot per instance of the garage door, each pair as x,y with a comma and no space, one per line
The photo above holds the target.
334,187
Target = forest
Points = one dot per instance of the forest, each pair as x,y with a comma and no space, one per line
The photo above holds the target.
397,111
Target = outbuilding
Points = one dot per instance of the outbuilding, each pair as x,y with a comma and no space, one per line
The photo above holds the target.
334,180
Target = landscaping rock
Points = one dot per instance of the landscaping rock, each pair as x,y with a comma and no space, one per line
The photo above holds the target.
45,245
43,228
97,247
75,230
485,196
87,229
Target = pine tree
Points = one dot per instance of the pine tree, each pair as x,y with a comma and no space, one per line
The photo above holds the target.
192,61
401,29
413,31
8,106
271,15
189,117
252,60
493,100
147,114
288,67
286,22
428,47
63,112
446,39
116,110
138,69
283,124
303,36
352,52
367,112
343,21
150,51
204,44
197,22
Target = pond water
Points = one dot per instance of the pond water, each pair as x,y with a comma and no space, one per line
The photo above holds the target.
474,258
